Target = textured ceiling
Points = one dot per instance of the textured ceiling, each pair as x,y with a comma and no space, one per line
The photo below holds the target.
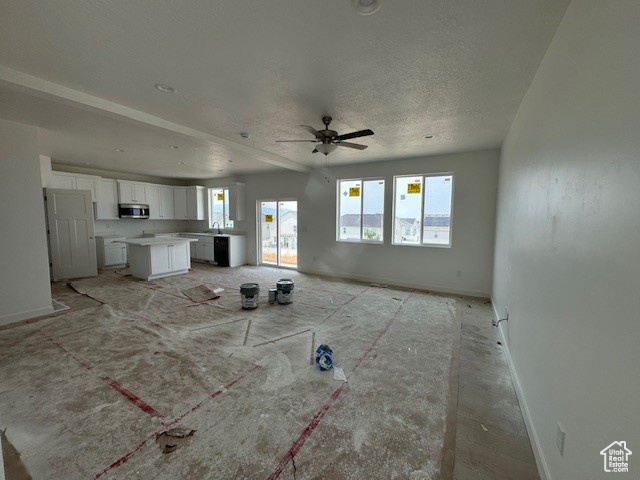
456,69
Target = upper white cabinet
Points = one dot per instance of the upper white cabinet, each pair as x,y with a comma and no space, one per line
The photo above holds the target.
166,202
132,192
236,201
152,194
180,203
106,206
62,180
196,203
74,181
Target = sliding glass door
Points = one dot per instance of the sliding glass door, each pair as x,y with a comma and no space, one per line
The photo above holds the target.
278,226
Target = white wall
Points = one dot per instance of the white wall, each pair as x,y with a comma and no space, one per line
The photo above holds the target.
25,290
567,260
429,268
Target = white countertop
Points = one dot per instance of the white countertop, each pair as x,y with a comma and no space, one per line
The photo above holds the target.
142,242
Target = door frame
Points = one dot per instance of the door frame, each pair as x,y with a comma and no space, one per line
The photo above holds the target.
259,232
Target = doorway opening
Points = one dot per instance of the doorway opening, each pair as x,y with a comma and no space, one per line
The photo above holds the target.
278,233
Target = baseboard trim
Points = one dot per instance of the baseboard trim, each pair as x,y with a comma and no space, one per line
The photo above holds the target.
399,283
17,317
541,462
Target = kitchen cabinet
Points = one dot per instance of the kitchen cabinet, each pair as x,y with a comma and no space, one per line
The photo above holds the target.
166,202
152,258
74,181
61,180
169,258
152,194
111,252
106,206
180,203
196,203
132,192
202,249
236,201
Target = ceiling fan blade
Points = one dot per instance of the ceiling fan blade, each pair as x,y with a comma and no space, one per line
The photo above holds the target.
312,131
359,133
357,146
290,141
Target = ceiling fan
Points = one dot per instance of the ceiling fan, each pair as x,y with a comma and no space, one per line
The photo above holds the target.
328,140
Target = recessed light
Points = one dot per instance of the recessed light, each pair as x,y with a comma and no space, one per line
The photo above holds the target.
429,136
180,163
365,7
174,147
118,150
244,135
165,88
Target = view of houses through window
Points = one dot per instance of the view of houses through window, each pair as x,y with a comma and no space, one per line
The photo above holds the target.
422,210
360,210
219,208
279,232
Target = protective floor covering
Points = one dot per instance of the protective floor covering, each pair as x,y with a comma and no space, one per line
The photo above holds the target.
85,394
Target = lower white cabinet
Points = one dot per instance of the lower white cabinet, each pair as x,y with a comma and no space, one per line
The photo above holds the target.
169,258
202,249
111,252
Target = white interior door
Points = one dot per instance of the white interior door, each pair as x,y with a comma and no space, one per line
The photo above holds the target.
72,244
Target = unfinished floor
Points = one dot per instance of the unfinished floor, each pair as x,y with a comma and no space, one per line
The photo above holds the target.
85,394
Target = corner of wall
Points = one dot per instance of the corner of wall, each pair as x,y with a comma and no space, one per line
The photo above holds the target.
536,446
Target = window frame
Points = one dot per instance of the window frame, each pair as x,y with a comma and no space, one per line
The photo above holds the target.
424,176
225,192
338,198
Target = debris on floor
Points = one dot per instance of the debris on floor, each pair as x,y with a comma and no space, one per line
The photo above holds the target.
202,293
338,374
174,438
396,298
378,285
324,357
484,428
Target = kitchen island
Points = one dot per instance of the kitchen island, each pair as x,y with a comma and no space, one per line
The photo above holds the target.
151,258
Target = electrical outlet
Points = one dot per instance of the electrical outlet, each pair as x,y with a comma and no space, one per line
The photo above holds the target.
560,438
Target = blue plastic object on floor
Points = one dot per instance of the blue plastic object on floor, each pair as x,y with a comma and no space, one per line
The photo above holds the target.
324,358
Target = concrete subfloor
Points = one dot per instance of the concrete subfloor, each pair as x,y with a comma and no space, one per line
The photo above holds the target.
85,393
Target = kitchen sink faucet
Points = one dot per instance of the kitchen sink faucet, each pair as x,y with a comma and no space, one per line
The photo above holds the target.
213,225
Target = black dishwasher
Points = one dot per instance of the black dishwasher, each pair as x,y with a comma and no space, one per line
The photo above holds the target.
221,251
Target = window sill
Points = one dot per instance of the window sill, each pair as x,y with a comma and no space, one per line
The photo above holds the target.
368,242
422,245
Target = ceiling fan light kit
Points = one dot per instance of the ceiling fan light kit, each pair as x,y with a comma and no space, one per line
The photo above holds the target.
366,7
328,140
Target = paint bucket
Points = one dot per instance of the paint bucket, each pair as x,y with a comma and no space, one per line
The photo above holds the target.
285,291
249,293
324,357
273,295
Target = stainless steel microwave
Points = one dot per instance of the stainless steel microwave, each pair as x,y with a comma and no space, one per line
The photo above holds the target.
130,210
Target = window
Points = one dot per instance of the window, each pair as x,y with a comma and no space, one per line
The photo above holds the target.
422,210
360,210
219,208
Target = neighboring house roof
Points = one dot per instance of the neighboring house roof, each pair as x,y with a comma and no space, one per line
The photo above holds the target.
435,220
370,220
